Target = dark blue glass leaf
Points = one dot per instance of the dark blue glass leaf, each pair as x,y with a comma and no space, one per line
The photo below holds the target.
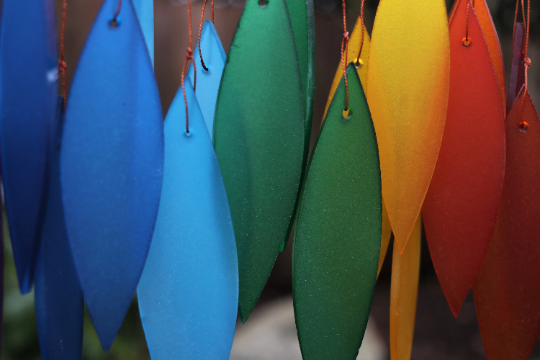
28,82
208,81
59,299
112,165
188,294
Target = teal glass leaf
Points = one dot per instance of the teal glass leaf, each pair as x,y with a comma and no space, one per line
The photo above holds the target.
338,231
208,81
188,294
259,140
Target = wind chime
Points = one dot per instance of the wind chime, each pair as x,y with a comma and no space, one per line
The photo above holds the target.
105,199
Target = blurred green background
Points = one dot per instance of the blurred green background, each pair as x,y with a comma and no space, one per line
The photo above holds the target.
438,336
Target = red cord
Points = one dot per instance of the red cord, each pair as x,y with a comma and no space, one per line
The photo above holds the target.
62,66
189,56
200,31
363,31
344,45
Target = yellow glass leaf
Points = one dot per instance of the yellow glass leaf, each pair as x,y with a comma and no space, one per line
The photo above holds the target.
407,91
352,52
403,293
493,44
386,233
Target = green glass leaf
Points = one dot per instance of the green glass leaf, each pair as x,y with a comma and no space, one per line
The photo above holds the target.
337,236
302,17
259,140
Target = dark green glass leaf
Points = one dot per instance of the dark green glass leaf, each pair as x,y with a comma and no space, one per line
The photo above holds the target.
302,16
338,231
259,140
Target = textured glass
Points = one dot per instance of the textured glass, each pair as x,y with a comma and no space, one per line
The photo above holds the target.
492,40
112,165
517,72
259,140
461,205
403,294
338,230
28,82
208,81
407,90
145,13
352,52
353,47
507,289
188,294
59,299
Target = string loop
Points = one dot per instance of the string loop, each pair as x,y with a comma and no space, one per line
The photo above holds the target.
357,61
200,31
62,66
189,56
344,46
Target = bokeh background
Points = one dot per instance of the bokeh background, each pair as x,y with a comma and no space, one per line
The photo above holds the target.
270,332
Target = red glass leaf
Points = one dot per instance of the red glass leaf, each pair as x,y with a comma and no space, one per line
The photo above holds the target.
517,72
461,205
507,290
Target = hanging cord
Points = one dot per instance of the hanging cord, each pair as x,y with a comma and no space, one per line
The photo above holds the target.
62,66
358,62
200,31
466,41
114,21
189,56
344,45
523,125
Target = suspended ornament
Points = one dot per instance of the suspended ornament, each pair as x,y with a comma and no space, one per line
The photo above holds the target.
517,72
403,294
210,54
338,231
358,52
59,299
112,164
460,209
259,140
189,287
145,13
407,89
507,291
28,75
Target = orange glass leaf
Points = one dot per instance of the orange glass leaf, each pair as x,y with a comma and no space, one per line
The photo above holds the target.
463,199
354,46
407,90
507,289
493,44
403,293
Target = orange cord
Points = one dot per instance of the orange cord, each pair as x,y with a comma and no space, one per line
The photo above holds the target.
344,45
357,62
62,66
200,31
526,59
118,10
189,56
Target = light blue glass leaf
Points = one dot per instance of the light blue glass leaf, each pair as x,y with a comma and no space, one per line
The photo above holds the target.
145,13
188,294
59,299
28,85
112,165
208,81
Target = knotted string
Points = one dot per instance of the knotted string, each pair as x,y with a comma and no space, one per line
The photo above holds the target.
200,31
357,62
62,66
466,42
189,56
344,45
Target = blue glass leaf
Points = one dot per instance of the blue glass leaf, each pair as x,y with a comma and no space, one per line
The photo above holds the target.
59,299
28,82
208,81
145,13
1,274
112,165
188,294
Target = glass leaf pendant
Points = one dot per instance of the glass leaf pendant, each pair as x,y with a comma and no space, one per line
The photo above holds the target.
188,294
259,140
338,230
112,165
208,81
59,298
460,209
407,89
507,289
28,81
